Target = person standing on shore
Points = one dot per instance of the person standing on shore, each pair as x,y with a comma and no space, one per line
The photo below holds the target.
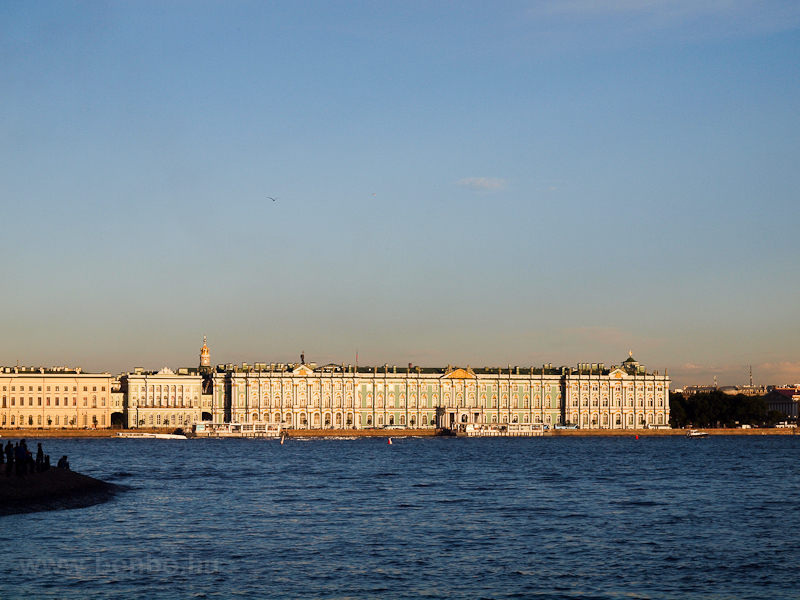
20,455
9,458
39,458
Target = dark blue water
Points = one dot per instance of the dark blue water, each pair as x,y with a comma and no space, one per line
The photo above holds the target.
431,518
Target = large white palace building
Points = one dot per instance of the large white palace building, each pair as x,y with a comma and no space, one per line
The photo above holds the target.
305,396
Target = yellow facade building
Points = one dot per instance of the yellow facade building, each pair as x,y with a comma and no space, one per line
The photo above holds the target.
58,398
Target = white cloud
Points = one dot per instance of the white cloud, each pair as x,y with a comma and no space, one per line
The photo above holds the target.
485,184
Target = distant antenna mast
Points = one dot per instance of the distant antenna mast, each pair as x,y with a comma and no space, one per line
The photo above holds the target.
715,381
751,376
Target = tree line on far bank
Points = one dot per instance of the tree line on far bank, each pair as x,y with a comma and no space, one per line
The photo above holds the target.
718,409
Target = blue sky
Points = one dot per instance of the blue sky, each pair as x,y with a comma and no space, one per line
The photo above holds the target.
483,183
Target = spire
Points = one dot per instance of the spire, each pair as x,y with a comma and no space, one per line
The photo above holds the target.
205,355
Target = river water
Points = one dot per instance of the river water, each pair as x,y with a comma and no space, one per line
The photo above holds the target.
421,518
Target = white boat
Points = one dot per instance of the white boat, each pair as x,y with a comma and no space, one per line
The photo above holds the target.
694,433
247,430
147,435
503,430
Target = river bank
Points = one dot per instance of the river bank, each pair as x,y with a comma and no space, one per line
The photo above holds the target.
54,489
106,433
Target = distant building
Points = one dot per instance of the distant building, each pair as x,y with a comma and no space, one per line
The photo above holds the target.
163,398
302,396
690,390
54,398
168,399
784,399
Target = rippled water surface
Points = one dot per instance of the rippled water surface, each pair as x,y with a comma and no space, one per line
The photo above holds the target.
423,517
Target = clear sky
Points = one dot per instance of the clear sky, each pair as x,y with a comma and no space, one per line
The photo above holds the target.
482,183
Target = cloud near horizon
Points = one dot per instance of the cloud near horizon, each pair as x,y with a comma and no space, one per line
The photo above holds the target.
484,184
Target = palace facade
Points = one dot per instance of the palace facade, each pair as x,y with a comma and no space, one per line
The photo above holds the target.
163,398
54,398
303,396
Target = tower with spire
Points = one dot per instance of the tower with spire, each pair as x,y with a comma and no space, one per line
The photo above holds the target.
205,357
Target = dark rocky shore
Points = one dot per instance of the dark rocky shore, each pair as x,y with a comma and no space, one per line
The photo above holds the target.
54,489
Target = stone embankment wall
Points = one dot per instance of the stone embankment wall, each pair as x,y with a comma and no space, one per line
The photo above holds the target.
664,432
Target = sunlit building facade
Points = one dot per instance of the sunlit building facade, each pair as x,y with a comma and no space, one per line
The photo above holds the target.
163,398
56,398
304,396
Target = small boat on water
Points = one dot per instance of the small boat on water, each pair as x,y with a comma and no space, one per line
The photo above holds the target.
147,435
694,433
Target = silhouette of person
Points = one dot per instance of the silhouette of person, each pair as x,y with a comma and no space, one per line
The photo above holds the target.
39,458
9,458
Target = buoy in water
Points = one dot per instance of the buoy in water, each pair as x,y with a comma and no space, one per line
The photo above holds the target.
390,441
637,436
